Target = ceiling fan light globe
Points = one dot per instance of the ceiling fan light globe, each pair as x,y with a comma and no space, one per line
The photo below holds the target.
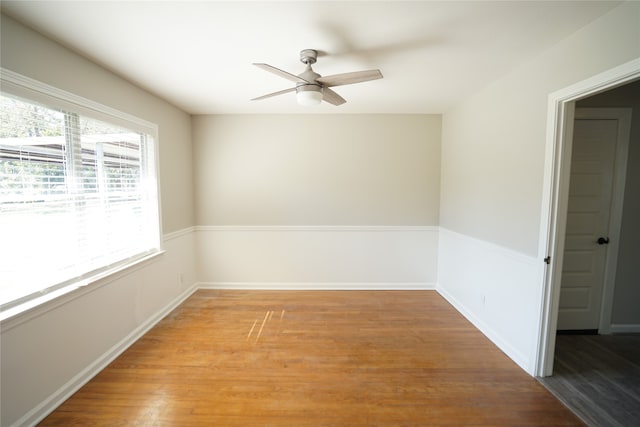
309,97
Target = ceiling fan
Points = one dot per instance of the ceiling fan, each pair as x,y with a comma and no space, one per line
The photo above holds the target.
311,88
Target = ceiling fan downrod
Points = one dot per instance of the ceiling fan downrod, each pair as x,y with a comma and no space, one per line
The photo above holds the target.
309,57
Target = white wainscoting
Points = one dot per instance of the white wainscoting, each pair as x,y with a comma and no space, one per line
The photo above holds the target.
496,289
317,257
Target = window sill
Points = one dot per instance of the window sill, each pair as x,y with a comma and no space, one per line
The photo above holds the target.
21,313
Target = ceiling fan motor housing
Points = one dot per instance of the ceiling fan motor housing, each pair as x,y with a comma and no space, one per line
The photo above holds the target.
309,76
305,87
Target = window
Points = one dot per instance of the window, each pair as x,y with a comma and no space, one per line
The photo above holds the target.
78,196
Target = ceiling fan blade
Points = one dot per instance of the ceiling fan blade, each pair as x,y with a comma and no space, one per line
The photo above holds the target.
350,78
331,97
269,95
281,73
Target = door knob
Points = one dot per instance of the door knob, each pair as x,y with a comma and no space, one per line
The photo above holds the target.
603,241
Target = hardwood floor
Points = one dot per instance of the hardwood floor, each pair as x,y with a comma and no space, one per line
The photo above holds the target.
598,376
306,358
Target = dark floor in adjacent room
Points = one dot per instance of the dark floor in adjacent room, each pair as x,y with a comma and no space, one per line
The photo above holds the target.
598,377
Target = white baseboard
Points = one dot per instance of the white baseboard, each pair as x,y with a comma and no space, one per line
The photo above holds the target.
38,413
318,228
353,286
504,346
625,329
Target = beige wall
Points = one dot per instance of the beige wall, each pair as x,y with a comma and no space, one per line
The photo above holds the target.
328,170
49,351
317,169
30,54
494,142
493,166
626,301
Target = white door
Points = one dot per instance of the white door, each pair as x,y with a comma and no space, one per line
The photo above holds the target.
594,180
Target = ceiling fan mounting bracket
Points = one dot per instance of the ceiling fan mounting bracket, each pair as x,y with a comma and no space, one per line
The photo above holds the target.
308,56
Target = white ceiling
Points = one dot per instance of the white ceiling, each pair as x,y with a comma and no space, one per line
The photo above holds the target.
198,55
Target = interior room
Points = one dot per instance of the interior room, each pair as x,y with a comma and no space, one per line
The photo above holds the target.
448,173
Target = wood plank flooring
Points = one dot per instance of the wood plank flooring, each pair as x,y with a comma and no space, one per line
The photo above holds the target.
598,376
307,358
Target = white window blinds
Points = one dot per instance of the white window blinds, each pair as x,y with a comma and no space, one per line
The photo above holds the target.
78,197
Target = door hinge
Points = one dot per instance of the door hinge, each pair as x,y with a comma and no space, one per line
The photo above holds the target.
547,260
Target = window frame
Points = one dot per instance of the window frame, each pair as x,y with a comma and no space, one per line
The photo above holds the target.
35,91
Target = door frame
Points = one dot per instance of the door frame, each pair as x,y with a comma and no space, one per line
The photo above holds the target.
560,116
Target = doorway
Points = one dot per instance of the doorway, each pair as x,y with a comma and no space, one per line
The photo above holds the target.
598,172
597,376
561,109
